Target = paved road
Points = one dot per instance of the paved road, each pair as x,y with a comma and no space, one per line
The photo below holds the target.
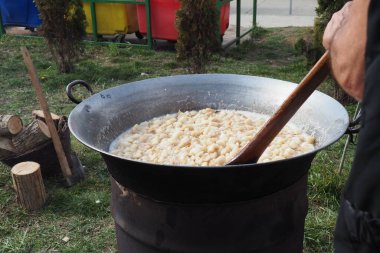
276,13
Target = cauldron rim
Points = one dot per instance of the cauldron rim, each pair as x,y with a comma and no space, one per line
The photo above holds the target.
185,167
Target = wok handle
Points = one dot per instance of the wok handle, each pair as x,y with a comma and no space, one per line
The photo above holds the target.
256,147
70,86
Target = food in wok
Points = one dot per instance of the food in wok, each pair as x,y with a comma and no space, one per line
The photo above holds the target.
206,137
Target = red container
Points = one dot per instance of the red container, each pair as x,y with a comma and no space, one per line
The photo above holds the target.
163,16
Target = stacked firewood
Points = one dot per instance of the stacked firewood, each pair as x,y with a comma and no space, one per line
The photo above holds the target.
33,142
15,139
31,153
10,126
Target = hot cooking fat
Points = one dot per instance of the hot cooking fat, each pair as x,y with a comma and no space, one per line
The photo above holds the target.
205,138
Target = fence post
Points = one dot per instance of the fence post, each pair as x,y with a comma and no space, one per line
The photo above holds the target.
254,21
238,9
2,30
148,24
94,25
290,7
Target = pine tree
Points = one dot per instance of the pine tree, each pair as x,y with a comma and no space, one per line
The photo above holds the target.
197,26
63,26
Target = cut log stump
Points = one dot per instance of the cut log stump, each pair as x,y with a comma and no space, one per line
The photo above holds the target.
29,186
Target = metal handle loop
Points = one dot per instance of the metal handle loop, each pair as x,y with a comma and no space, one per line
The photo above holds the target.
70,86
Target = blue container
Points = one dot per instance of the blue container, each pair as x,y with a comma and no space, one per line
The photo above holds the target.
19,13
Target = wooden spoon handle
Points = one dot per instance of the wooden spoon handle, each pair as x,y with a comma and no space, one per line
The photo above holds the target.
254,149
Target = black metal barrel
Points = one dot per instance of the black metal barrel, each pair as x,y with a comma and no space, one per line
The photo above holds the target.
273,223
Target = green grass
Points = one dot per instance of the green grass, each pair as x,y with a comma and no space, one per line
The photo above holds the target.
82,212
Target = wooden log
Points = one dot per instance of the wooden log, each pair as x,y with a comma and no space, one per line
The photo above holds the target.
6,148
10,124
33,135
6,144
39,114
64,135
29,186
45,155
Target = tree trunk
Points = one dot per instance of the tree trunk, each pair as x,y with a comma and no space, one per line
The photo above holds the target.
10,124
30,189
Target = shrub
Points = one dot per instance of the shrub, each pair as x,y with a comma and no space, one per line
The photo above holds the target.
63,26
197,26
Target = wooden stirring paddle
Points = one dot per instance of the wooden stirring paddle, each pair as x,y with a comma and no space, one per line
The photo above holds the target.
256,147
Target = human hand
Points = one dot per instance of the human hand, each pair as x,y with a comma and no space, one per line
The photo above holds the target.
335,24
345,38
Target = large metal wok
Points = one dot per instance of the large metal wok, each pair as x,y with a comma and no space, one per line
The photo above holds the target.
98,120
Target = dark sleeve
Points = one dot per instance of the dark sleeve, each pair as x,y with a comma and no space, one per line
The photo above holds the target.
363,186
358,223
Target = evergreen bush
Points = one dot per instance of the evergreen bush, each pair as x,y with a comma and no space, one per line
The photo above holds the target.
63,26
197,27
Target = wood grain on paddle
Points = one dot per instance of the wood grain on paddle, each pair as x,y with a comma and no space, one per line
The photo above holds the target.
255,148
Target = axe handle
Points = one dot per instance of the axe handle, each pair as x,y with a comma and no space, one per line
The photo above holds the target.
49,121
